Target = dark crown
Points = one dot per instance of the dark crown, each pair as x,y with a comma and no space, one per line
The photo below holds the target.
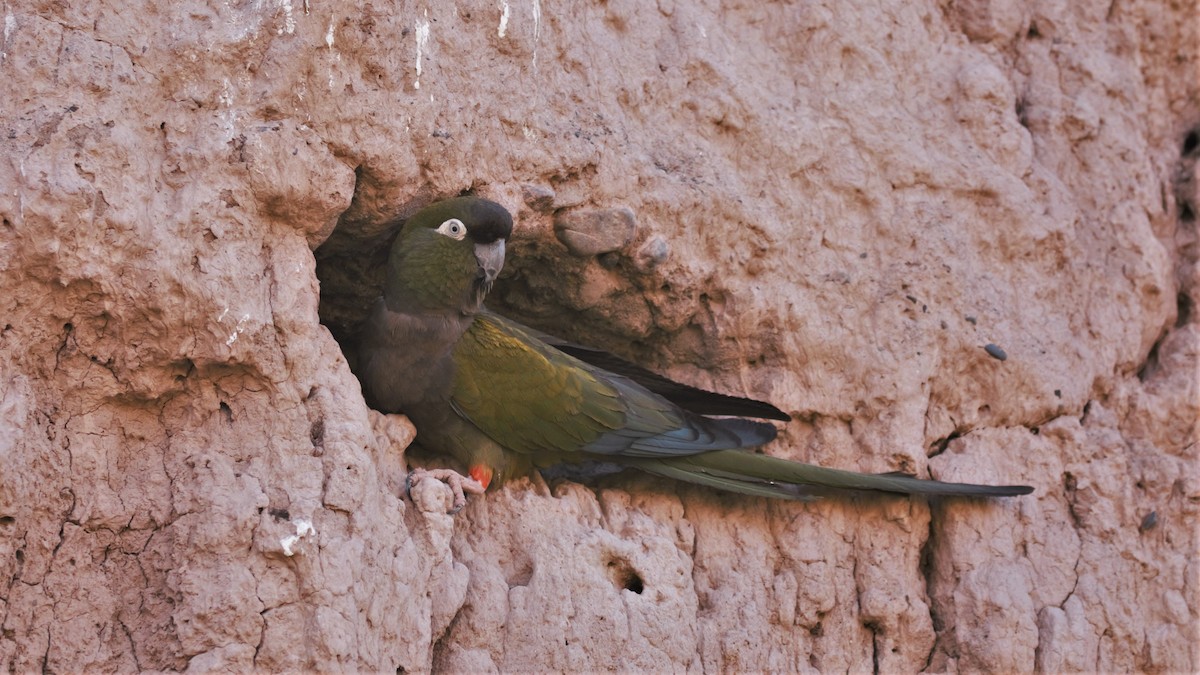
487,221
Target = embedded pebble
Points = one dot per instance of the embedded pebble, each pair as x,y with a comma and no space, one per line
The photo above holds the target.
653,252
589,233
538,197
1149,521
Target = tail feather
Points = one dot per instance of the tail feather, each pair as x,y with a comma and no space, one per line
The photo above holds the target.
763,475
740,484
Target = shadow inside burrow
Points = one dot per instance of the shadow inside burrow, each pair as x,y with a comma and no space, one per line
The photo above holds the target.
351,265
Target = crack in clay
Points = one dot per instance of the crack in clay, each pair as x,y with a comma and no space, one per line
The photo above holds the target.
62,528
132,648
1070,495
858,610
65,27
926,566
268,255
875,637
262,632
15,578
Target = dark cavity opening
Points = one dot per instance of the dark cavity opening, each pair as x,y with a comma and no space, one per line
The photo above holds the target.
624,576
1191,141
352,262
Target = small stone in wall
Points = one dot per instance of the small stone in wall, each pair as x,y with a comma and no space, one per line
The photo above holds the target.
540,198
653,252
1149,522
995,352
590,233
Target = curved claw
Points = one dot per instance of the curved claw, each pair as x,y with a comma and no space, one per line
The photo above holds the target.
458,484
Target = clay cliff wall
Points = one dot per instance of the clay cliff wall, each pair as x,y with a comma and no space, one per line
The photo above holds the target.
834,206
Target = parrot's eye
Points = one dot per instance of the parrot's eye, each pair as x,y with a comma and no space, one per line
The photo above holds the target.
453,228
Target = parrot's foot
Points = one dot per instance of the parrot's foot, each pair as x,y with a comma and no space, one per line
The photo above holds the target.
459,484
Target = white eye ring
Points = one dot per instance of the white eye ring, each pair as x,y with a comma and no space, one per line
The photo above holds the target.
453,228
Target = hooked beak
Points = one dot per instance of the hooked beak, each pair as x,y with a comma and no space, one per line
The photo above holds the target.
491,260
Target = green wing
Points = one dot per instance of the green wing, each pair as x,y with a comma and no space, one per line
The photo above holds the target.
685,396
530,397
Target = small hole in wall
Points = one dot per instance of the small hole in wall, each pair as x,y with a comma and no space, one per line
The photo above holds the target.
1186,214
939,446
634,583
316,433
1150,366
1183,304
1191,142
624,576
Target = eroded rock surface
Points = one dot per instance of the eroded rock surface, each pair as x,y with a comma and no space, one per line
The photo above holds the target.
831,206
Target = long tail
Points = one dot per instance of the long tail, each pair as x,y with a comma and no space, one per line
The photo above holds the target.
766,476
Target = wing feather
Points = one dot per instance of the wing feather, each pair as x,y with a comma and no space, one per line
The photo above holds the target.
533,398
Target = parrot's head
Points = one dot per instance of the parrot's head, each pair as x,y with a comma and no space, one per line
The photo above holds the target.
447,256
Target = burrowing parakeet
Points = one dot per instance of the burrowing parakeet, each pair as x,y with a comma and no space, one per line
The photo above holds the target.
505,399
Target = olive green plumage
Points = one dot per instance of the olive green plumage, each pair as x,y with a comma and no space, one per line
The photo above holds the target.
503,398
